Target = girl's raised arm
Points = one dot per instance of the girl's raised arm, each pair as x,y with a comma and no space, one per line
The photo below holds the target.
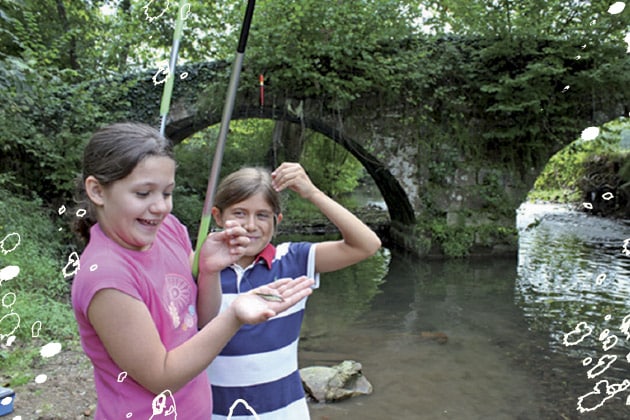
358,240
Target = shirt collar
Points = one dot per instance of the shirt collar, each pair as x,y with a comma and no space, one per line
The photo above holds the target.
266,255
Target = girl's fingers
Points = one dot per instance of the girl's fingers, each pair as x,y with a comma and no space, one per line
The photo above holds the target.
287,288
296,289
284,176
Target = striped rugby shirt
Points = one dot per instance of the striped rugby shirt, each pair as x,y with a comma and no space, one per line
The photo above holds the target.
258,368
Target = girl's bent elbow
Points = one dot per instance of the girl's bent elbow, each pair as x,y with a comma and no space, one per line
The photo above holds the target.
377,246
374,245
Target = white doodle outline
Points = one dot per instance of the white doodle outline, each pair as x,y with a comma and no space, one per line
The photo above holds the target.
605,361
159,403
36,328
608,340
576,330
152,18
73,259
247,406
611,391
19,239
625,326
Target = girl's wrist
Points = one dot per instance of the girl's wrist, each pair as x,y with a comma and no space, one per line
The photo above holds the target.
232,318
208,275
312,195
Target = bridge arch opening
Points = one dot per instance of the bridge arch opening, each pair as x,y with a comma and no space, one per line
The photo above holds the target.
258,146
257,142
591,173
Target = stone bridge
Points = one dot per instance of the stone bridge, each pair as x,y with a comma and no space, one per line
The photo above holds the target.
196,106
376,133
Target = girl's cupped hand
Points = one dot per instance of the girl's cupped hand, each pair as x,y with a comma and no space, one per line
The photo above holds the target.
264,302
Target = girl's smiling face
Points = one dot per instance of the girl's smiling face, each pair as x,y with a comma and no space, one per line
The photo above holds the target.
131,210
256,215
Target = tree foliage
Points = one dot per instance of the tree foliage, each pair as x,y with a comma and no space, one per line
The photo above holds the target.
485,77
338,51
523,73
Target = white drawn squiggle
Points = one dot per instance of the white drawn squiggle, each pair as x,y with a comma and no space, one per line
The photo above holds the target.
625,326
247,406
577,331
73,261
152,18
17,243
610,390
602,365
164,403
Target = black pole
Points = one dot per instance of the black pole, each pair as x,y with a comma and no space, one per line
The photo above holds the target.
206,214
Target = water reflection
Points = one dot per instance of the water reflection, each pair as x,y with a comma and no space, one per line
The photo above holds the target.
574,284
571,268
396,331
505,321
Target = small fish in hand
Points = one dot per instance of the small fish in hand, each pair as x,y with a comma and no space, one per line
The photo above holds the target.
271,297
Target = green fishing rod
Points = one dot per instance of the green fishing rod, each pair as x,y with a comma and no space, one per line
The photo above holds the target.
228,107
170,78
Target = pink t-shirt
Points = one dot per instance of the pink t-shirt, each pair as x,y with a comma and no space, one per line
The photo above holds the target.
160,277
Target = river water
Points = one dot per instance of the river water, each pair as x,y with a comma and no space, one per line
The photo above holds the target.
539,336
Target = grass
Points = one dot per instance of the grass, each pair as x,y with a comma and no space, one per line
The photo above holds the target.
38,293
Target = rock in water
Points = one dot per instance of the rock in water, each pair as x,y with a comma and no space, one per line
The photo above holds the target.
336,383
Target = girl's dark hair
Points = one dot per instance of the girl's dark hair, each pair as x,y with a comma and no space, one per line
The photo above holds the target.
110,155
244,183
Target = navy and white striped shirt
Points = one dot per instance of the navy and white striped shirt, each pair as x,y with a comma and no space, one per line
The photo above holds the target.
258,368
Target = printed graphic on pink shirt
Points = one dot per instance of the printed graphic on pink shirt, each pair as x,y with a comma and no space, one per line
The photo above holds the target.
180,297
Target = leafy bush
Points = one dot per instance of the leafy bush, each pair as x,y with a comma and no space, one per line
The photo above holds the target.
187,207
456,241
46,122
40,290
331,167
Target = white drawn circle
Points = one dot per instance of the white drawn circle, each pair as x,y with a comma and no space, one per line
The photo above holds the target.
10,295
600,279
6,251
36,328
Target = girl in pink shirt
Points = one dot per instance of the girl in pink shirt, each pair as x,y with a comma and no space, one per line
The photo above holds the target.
134,297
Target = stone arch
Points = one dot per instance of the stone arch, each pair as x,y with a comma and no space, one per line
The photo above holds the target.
395,197
415,171
198,103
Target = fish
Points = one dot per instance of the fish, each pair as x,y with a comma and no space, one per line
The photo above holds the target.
271,297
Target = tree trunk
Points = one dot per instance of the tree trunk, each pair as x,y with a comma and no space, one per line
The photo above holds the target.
290,138
72,47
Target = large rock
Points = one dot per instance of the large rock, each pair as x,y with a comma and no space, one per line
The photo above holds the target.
335,383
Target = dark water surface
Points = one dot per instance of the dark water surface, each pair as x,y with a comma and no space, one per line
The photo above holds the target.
505,320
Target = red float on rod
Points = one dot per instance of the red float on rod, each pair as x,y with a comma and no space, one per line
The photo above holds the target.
261,79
